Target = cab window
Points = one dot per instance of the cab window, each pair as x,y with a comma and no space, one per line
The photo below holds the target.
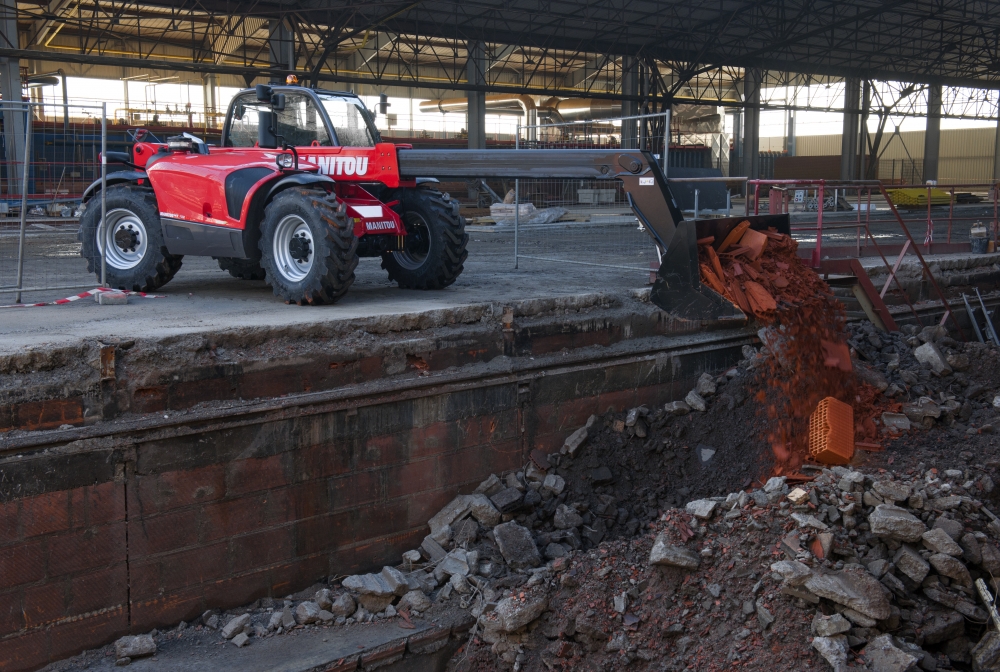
349,122
300,124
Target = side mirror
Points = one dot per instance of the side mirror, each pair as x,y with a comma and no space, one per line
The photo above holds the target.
263,93
266,135
278,102
240,111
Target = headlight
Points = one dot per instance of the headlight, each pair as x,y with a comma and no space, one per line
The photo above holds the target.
285,161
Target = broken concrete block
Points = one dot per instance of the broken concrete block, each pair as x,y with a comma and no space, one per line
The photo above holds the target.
953,568
322,598
573,442
235,625
287,618
241,640
792,572
508,499
828,626
676,408
938,541
705,386
566,517
798,496
834,651
695,401
854,588
896,523
432,549
924,407
482,509
456,508
804,520
456,562
516,545
702,509
892,490
512,613
554,483
665,553
883,655
411,557
931,355
911,563
415,599
533,473
395,580
136,646
490,486
111,299
306,613
368,584
344,606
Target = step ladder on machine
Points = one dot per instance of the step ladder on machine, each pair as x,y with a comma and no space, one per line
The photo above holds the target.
985,332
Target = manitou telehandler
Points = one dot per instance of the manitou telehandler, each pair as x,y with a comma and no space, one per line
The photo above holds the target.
303,186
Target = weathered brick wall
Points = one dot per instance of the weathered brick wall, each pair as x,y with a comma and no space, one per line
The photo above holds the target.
152,524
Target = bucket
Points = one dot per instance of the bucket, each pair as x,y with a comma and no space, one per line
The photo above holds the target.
979,245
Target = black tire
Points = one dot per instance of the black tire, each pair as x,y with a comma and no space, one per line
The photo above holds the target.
138,259
307,245
435,241
242,269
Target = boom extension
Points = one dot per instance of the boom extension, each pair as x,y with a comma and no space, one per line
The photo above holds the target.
678,289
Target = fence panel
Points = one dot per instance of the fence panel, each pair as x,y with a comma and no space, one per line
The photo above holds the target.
40,199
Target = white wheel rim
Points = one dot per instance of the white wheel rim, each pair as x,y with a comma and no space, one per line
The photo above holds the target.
293,248
125,239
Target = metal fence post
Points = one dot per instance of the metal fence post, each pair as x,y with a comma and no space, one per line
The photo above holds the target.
696,203
666,140
517,196
24,202
104,195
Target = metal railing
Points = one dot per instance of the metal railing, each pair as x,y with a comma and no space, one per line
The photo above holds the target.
46,165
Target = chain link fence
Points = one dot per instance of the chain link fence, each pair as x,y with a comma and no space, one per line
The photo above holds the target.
585,222
40,197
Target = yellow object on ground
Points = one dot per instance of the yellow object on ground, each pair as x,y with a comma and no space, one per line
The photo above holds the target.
916,197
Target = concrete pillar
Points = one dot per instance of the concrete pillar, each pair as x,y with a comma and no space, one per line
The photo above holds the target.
210,87
932,138
736,157
281,45
751,122
996,151
630,108
476,75
849,138
866,106
10,88
790,134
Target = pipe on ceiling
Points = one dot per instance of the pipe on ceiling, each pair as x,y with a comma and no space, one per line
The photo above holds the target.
561,108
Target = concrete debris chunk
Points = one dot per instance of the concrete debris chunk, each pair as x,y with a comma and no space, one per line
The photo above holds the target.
892,490
322,598
306,613
792,572
896,523
517,546
456,562
411,557
456,508
944,626
834,651
828,626
774,484
702,509
798,496
705,386
972,550
288,618
554,484
395,580
490,486
666,554
573,442
854,588
512,613
931,355
882,655
414,600
566,517
432,549
344,606
137,646
896,421
676,408
326,617
924,407
482,510
911,563
235,625
945,503
938,541
695,401
986,654
803,520
507,499
952,527
953,568
991,558
241,640
368,584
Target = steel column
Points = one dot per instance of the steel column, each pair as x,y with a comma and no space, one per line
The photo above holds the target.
932,138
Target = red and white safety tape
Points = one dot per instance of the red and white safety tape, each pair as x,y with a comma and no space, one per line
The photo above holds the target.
83,295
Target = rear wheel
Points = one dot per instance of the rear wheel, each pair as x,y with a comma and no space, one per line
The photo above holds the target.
308,249
137,258
434,247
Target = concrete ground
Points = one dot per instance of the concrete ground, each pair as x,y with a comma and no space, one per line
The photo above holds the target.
202,298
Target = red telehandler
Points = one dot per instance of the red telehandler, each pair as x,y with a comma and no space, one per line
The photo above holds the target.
303,186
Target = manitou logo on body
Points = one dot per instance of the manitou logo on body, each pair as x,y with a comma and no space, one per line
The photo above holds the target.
381,226
342,165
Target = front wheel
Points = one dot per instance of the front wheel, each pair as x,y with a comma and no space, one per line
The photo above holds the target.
307,245
434,251
137,258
